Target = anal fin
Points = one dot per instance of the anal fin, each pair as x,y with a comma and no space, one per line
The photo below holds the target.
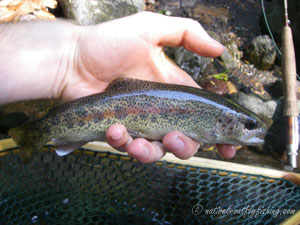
63,148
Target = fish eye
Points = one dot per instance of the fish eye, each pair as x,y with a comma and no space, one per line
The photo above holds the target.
251,124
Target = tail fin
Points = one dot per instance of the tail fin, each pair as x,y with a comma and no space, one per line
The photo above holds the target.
28,138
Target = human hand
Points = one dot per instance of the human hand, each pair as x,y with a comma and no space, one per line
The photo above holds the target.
132,47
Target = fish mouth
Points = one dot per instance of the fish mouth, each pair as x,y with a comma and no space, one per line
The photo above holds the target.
254,137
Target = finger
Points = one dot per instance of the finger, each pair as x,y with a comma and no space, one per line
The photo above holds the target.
118,137
226,151
180,145
176,31
144,151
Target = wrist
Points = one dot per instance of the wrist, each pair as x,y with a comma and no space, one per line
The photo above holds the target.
65,59
37,58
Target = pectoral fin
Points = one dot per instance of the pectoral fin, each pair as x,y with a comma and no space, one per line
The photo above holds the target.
134,133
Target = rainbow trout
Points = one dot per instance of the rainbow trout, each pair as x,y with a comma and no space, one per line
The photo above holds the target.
146,109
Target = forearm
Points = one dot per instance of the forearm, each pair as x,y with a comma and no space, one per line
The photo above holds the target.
35,59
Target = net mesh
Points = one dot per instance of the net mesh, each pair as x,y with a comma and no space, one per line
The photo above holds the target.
87,187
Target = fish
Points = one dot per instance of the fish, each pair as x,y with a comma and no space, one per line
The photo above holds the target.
148,110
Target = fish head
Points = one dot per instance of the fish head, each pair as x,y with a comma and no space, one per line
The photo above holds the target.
241,129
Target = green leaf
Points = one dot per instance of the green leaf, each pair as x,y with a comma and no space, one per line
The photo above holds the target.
221,76
162,11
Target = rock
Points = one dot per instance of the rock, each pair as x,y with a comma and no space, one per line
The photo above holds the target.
97,11
262,52
231,55
214,68
212,84
214,35
191,63
270,110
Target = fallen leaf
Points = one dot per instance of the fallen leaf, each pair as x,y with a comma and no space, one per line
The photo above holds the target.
49,4
10,2
209,148
25,10
4,3
6,15
44,15
27,17
37,4
232,89
238,147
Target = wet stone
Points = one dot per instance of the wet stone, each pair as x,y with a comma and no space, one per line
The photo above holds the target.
93,12
262,52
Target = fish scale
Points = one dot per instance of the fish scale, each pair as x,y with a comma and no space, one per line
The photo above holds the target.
147,109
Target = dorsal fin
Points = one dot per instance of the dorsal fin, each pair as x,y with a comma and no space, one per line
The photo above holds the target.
128,85
125,85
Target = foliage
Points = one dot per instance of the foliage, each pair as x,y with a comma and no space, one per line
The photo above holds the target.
24,10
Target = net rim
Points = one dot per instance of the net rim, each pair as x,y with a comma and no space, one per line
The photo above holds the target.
193,161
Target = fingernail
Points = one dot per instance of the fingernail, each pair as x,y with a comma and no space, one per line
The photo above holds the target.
215,43
117,135
178,144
